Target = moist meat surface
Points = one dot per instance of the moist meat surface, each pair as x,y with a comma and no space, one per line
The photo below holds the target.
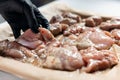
72,43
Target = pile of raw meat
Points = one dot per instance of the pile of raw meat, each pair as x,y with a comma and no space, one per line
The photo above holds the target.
72,43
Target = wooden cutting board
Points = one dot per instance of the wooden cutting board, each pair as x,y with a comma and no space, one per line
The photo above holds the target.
30,72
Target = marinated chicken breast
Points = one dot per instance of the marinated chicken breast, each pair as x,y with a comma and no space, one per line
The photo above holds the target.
72,43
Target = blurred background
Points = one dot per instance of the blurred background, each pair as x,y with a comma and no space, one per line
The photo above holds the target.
107,7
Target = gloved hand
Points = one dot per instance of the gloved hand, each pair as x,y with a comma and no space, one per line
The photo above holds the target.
22,15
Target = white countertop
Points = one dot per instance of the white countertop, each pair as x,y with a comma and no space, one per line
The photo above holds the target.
107,7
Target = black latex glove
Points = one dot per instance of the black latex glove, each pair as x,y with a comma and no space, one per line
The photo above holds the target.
22,15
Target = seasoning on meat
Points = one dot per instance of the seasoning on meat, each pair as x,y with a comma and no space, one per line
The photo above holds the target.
72,43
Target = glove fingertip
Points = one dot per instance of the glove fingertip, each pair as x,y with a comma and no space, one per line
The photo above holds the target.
35,30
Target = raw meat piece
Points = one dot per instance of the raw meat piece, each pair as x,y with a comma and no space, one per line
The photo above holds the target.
96,38
93,21
110,24
63,58
98,60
